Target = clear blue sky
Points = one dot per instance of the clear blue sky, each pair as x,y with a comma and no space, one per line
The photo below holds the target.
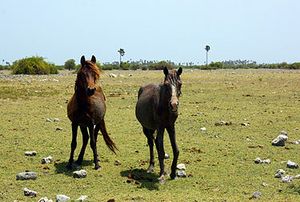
266,31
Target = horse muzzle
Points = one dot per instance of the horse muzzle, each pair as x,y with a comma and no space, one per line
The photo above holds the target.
90,91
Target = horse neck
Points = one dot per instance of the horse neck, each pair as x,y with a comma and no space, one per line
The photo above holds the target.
81,98
163,99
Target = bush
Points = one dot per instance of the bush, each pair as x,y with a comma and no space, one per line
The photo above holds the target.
33,65
161,65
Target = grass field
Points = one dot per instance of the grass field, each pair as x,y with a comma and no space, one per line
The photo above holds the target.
220,161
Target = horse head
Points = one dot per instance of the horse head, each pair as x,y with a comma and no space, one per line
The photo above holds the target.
173,84
87,76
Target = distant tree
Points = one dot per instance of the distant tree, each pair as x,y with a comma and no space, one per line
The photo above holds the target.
122,53
207,48
70,64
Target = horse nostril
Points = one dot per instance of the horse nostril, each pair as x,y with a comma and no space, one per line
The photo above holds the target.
90,91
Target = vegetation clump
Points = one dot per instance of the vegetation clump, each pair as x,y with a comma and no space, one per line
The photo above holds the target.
33,65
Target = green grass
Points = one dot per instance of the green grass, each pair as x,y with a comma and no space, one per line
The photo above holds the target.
220,161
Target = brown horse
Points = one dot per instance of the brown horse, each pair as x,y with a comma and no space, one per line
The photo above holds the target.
157,110
87,109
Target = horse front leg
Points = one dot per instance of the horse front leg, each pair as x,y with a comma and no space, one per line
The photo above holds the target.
73,145
172,135
94,146
159,143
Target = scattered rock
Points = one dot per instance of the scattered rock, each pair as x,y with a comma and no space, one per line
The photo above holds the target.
181,166
30,153
291,164
223,123
181,173
117,162
256,195
62,198
111,75
280,139
262,161
56,119
287,179
167,156
80,174
245,124
279,173
264,184
26,176
48,120
28,192
45,199
203,129
297,176
58,128
47,160
82,198
296,142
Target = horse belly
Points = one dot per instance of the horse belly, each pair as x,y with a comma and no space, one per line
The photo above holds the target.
145,112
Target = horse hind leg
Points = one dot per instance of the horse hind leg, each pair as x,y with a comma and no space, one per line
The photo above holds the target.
159,143
85,139
94,146
73,145
149,134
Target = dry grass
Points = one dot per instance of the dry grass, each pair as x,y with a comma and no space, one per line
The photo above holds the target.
220,161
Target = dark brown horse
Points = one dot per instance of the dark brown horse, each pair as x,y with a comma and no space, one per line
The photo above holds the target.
87,109
157,110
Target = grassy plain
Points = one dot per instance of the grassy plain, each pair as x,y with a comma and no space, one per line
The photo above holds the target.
220,161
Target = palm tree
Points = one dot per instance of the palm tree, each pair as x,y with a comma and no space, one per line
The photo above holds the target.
207,48
122,53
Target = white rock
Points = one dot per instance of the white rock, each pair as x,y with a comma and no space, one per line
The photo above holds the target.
256,195
56,119
262,161
47,160
281,139
181,166
181,173
82,198
26,176
80,174
45,199
28,192
291,164
167,156
62,198
112,75
279,173
30,153
203,129
287,179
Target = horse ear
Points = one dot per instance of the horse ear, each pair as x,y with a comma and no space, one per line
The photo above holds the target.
166,71
179,71
82,60
93,59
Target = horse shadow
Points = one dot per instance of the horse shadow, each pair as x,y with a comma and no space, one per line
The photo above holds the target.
141,178
61,167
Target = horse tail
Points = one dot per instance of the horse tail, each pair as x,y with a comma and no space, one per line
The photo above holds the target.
108,141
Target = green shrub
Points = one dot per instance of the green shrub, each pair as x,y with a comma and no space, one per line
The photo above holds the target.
161,65
33,65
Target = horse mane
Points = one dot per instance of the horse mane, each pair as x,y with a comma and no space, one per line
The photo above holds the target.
92,66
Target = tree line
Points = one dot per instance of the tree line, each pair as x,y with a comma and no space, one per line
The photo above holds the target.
38,65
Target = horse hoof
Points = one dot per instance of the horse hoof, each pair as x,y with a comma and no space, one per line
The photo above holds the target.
150,169
97,167
161,179
173,176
